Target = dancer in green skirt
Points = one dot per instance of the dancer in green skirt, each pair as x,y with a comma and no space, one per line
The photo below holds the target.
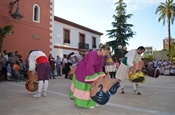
88,70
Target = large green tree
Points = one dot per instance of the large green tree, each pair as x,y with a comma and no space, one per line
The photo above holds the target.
167,13
3,32
121,31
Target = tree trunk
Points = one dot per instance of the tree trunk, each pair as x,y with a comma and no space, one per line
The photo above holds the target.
169,38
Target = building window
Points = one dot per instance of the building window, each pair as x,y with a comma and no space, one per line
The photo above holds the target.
82,38
66,36
93,42
82,44
36,13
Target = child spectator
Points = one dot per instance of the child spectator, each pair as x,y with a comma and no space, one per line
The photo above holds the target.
9,71
16,69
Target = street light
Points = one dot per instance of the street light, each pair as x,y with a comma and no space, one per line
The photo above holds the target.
122,49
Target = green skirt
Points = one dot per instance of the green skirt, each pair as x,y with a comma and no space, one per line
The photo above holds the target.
80,93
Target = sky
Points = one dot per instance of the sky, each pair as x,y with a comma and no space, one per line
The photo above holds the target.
98,15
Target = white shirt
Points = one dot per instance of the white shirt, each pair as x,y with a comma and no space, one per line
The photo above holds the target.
132,56
32,59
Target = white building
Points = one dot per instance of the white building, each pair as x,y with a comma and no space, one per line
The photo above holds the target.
71,37
149,50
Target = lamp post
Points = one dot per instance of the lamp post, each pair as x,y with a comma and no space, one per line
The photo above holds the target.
122,49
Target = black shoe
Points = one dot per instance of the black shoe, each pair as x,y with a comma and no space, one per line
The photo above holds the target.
137,93
122,91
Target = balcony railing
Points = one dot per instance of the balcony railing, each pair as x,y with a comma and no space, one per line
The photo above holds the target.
94,46
83,46
66,41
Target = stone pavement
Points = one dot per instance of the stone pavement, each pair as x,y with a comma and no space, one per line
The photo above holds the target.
158,98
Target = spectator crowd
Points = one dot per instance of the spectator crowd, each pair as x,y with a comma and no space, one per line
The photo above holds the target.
13,68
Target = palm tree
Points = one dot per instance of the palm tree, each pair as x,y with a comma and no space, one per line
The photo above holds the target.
3,32
167,10
121,31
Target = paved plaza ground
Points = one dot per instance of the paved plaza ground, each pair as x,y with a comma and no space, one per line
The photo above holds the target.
158,98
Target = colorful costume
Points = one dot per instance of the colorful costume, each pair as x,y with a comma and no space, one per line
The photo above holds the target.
127,62
123,72
88,70
39,61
